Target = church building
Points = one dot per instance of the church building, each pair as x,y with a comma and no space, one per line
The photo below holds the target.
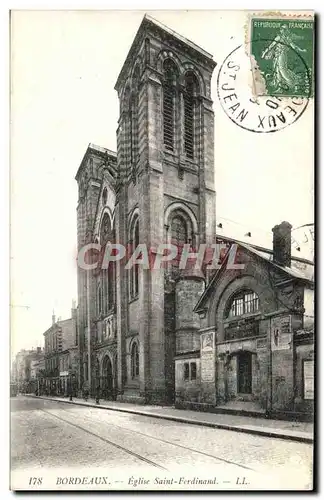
187,337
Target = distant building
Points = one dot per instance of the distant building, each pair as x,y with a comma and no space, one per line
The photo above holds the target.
61,355
24,368
13,374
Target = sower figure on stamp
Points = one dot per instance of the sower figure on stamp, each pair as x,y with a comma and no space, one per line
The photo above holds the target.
283,77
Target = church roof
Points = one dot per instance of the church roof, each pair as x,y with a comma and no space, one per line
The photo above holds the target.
292,272
99,151
302,237
149,23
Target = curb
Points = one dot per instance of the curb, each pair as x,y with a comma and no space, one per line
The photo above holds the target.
247,430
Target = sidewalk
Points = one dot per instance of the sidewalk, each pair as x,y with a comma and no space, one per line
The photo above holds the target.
294,431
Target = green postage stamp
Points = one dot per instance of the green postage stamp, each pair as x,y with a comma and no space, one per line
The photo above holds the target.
283,55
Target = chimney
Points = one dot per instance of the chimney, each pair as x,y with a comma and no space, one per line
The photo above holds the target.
282,244
53,318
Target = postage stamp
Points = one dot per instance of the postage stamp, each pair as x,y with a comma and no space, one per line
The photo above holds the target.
265,84
282,50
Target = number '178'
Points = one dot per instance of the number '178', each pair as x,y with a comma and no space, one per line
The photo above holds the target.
35,481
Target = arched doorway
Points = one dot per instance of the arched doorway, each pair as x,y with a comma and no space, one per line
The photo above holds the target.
107,378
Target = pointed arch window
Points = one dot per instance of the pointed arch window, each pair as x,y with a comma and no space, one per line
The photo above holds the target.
134,360
169,103
191,89
111,281
133,129
99,299
134,116
107,277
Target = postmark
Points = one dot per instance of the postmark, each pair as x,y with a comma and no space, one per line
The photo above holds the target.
239,93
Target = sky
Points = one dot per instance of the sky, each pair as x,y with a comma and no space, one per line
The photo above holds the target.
64,65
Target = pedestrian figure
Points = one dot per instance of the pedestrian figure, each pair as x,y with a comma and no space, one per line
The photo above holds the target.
85,391
70,392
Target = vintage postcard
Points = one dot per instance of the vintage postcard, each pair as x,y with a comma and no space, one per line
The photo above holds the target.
162,250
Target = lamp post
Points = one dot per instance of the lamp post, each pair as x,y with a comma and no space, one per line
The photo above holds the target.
70,377
98,390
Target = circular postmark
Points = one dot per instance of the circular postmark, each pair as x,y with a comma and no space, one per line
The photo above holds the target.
247,97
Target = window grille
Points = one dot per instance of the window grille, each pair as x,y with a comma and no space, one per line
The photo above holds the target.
134,360
169,104
189,112
186,371
193,371
190,371
136,268
246,302
168,116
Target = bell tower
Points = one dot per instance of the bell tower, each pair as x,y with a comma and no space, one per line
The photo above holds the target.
164,191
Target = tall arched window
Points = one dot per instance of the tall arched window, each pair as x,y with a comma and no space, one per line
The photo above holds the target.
134,360
134,270
133,129
180,235
111,278
169,105
243,302
106,298
133,119
99,299
191,89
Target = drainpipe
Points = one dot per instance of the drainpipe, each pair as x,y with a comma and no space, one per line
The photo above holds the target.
89,331
269,400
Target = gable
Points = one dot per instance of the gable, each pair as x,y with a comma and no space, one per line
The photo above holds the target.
106,204
255,265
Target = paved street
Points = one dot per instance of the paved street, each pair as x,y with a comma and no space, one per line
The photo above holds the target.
52,435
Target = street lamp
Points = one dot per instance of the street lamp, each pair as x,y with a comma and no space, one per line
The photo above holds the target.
98,389
70,376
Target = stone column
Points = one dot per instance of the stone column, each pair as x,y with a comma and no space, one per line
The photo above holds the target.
121,291
151,229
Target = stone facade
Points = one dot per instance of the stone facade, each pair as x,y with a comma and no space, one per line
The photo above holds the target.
151,184
260,344
26,368
61,355
168,335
